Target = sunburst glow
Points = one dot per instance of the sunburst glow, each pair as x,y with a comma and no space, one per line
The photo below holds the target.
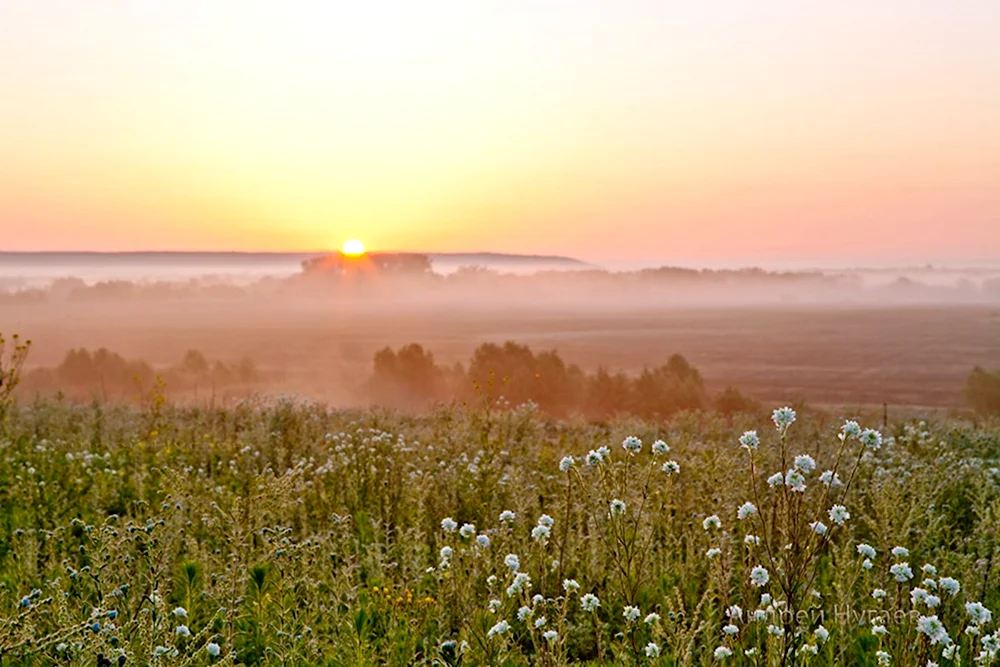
353,248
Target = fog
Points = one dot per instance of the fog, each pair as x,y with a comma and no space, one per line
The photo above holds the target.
225,326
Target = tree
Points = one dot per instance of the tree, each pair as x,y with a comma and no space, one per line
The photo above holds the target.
408,378
982,391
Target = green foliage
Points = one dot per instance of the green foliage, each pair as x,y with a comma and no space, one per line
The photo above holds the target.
292,534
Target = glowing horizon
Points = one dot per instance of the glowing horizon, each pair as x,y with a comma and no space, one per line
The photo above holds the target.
765,131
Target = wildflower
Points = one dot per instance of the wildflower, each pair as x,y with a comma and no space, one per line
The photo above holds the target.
991,644
746,510
652,618
805,463
660,447
721,653
182,631
589,602
902,572
604,452
759,576
567,463
883,658
540,533
550,635
929,570
734,612
918,595
783,418
483,541
839,514
900,552
866,550
180,612
751,540
447,553
811,649
617,507
980,615
949,586
765,598
822,634
652,650
632,444
932,601
818,527
866,564
448,525
500,628
594,459
949,651
878,593
934,629
213,649
671,467
541,621
512,562
711,522
777,479
759,615
851,429
830,478
522,582
524,613
507,516
796,480
871,439
570,585
491,580
713,553
494,606
749,440
730,629
467,530
631,614
775,631
546,520
879,630
537,599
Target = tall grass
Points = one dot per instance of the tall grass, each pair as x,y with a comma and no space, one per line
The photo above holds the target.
281,532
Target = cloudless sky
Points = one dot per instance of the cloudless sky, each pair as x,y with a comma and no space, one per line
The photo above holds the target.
684,129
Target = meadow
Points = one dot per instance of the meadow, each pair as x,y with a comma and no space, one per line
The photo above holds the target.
284,532
854,355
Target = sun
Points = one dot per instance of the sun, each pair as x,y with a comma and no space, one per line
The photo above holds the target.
353,248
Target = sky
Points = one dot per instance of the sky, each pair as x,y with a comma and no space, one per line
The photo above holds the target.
684,130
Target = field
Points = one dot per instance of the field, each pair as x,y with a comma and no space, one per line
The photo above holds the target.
275,533
900,355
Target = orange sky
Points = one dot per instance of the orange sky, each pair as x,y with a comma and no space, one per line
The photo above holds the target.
623,131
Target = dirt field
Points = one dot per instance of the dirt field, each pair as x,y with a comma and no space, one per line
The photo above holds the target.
900,355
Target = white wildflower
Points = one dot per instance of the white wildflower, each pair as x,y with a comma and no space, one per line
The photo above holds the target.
805,463
632,444
839,514
759,576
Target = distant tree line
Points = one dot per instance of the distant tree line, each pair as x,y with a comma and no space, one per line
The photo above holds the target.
409,378
103,372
